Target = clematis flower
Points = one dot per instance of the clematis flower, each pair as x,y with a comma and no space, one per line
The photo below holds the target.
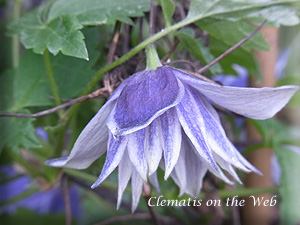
164,117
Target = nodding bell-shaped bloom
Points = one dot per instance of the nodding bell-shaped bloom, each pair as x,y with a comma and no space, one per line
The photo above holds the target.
164,117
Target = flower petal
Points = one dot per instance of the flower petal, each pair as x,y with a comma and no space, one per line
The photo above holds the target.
256,103
145,97
188,113
91,143
227,166
195,172
136,188
153,149
215,134
171,131
136,151
179,172
114,155
124,174
154,181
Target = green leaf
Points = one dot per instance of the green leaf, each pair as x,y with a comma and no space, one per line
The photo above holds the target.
60,34
289,162
275,15
232,32
71,75
168,9
197,49
15,132
94,12
57,26
206,8
273,131
239,56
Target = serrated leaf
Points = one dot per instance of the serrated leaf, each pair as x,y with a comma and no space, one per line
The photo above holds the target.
232,32
60,34
289,162
168,9
57,26
95,12
197,49
71,75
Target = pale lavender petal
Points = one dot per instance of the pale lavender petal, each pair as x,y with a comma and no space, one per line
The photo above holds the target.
124,174
192,124
153,149
136,188
256,103
215,134
247,164
195,171
171,131
227,166
179,172
154,181
91,143
114,155
149,94
136,151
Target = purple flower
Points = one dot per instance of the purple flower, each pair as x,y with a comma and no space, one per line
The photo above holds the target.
164,117
42,202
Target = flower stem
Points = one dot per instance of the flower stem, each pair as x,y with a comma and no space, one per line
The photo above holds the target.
19,197
50,75
152,58
244,192
15,45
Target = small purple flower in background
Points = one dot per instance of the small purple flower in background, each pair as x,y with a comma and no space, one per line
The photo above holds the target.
42,202
163,117
239,80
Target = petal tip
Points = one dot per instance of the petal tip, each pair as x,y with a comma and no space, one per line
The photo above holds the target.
60,162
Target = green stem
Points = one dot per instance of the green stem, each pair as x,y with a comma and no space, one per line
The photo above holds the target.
129,55
50,75
15,45
91,179
137,49
152,58
19,197
17,158
246,192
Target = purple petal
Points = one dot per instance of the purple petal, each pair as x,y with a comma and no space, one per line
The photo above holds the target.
154,181
114,155
171,131
256,103
149,94
154,146
179,173
136,151
91,143
227,166
215,134
125,171
188,113
136,188
195,171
